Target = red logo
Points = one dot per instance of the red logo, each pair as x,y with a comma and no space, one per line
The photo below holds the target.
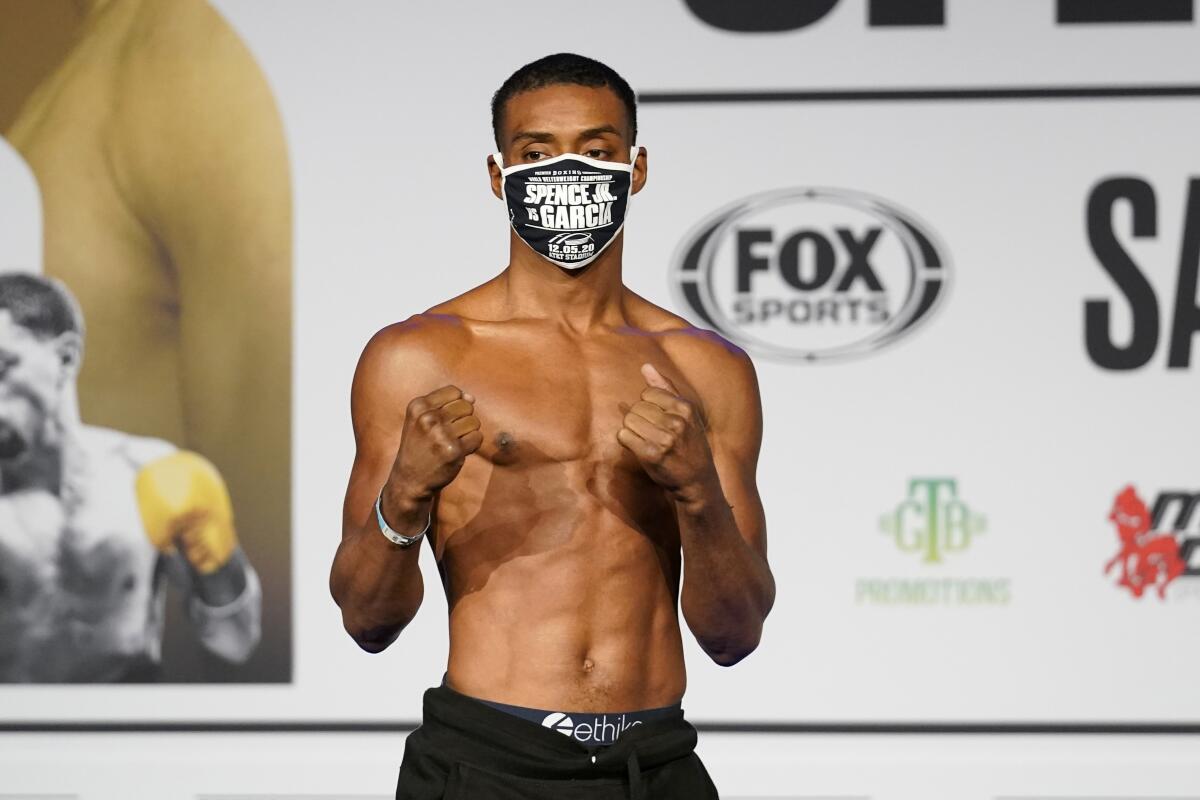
1147,559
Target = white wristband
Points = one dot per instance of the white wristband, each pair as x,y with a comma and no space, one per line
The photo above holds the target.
399,538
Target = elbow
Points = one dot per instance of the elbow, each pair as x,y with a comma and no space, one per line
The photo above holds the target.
373,639
371,645
727,655
729,650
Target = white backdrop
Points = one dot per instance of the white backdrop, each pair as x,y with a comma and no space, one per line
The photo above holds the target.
995,391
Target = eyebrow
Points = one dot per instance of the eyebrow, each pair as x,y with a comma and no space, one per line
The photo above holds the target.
543,136
535,136
594,132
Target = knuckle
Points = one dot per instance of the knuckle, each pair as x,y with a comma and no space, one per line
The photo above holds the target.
676,424
686,411
417,405
451,450
428,420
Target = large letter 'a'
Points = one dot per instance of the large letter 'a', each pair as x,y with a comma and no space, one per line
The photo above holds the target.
760,16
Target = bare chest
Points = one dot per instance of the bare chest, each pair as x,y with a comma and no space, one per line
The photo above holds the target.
89,556
560,403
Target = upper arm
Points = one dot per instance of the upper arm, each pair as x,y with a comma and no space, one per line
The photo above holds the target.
197,150
395,366
730,397
197,147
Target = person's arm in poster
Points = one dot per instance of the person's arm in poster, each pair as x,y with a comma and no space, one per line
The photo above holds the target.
201,157
188,517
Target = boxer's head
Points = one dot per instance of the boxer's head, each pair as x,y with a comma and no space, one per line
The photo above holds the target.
573,84
41,345
566,105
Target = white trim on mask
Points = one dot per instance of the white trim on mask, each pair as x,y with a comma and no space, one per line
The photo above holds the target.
595,162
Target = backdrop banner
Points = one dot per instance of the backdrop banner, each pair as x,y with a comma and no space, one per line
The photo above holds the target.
960,240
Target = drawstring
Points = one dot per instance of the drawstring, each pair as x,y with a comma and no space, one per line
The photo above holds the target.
636,791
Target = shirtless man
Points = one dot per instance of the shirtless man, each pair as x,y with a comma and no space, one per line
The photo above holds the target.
94,521
166,208
566,440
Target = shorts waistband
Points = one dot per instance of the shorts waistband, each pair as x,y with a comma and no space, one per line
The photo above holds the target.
585,727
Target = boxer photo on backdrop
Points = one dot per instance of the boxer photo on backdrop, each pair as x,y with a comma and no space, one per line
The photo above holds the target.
566,447
95,522
165,204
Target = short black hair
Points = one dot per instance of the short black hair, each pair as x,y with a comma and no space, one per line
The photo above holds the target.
41,305
561,68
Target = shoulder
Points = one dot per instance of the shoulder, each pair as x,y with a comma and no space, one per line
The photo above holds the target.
425,339
178,35
710,362
192,108
137,451
723,376
437,336
706,353
407,359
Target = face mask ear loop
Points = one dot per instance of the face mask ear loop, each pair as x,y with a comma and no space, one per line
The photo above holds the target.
633,154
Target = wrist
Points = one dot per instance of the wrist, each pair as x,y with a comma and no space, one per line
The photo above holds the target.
696,498
225,584
402,504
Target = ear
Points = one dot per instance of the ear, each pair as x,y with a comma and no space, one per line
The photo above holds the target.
496,178
69,348
639,171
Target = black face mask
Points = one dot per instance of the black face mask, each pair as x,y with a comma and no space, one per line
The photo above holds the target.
569,208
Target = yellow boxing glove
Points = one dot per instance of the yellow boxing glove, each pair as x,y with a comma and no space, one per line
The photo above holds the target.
184,502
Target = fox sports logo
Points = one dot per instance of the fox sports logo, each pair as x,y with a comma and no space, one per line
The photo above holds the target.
811,274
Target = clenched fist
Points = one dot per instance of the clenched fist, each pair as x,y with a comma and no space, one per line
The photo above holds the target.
666,433
184,502
440,431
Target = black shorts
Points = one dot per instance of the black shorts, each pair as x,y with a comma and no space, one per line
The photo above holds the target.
466,750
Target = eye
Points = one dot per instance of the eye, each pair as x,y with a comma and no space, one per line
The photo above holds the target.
534,155
596,153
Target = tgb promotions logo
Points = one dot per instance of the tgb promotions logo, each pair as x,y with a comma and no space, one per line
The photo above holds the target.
933,524
811,274
1157,545
933,521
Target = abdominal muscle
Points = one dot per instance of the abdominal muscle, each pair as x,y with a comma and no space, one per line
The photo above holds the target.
575,618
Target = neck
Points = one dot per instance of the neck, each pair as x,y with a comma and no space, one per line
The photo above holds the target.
578,300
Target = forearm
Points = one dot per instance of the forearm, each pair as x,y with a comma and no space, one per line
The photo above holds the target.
376,583
728,588
226,609
225,584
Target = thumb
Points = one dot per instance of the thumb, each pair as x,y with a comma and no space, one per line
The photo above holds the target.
656,379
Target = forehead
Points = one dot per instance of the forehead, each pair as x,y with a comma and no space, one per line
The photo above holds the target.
564,109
